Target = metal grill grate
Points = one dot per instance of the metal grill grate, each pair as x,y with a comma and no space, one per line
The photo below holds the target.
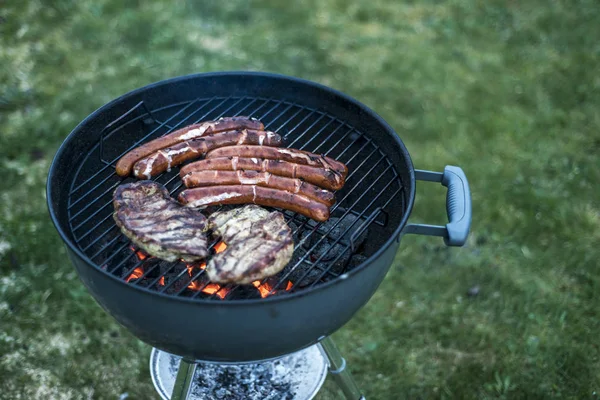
371,186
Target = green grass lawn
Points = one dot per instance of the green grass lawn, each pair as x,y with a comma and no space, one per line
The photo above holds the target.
508,90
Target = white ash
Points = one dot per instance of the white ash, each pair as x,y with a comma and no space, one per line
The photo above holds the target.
291,377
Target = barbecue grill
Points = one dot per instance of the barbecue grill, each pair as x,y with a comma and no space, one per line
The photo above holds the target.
337,265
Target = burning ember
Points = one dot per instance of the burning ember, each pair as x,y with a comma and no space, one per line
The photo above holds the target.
136,274
264,289
140,254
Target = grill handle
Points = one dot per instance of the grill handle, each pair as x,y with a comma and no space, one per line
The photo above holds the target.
458,206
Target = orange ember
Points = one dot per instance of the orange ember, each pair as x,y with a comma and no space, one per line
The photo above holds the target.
161,281
211,288
266,288
140,254
136,274
220,247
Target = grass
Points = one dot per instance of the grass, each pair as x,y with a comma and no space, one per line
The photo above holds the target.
508,90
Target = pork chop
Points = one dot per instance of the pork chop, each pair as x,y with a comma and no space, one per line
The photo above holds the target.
158,224
259,245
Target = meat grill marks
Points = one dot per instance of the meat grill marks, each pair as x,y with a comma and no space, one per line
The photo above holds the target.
252,194
324,178
125,163
265,179
150,218
163,159
259,245
290,155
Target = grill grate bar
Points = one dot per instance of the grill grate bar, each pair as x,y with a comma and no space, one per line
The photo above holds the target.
289,119
281,114
307,129
312,111
317,133
305,145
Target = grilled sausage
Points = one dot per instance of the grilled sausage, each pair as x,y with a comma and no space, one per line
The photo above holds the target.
291,155
246,194
324,178
175,155
125,163
265,179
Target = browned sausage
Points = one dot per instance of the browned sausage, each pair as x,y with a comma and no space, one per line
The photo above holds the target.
291,155
245,194
266,179
175,155
324,178
125,163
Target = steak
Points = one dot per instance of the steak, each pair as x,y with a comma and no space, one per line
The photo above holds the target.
259,245
158,224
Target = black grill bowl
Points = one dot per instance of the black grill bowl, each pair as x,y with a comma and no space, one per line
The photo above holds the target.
229,330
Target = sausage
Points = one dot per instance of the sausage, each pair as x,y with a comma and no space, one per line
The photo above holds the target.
265,179
291,155
324,178
125,163
175,155
244,194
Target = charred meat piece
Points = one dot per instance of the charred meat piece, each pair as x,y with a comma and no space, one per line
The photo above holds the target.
158,224
125,164
259,245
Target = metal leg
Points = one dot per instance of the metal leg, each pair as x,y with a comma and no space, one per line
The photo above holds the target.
339,372
183,382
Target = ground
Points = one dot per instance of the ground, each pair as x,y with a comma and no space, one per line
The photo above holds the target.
508,90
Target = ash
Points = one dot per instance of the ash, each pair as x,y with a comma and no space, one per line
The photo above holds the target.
270,380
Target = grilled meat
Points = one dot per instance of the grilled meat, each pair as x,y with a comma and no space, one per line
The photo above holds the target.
290,155
259,244
155,222
252,194
264,179
125,164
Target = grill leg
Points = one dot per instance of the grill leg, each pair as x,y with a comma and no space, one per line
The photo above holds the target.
340,372
183,382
